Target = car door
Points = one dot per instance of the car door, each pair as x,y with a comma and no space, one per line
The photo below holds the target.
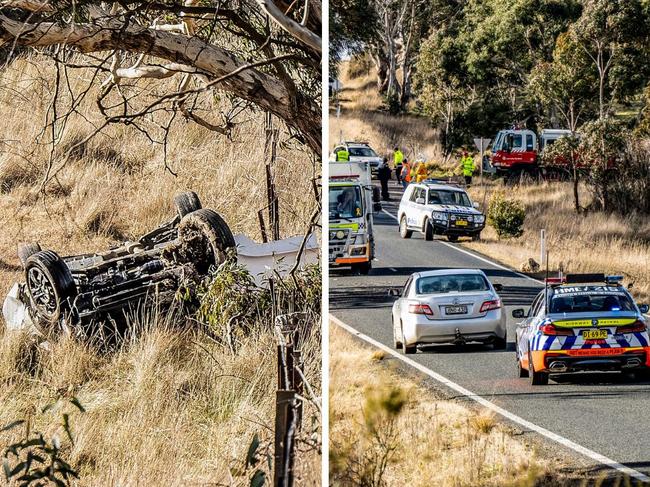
412,211
526,328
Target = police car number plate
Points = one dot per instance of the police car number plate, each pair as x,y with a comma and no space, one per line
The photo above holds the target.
456,310
594,334
461,223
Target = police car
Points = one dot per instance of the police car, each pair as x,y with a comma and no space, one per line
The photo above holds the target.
359,152
434,208
579,323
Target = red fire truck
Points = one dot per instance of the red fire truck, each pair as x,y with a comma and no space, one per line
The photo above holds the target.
517,152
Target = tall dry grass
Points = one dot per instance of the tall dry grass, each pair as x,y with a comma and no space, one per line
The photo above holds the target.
170,406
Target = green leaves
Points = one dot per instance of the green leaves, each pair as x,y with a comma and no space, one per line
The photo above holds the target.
506,216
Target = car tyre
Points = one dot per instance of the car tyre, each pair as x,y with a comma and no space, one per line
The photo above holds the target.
396,343
26,250
362,268
404,232
642,374
428,230
476,238
452,238
187,203
50,287
408,349
500,343
521,371
207,225
536,378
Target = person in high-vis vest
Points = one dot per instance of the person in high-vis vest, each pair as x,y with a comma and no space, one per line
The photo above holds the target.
467,163
398,159
342,155
421,172
406,173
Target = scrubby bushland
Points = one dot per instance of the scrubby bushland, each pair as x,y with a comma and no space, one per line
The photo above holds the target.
629,188
506,216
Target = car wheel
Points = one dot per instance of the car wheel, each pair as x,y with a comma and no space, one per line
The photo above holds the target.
362,268
642,374
26,250
522,372
187,203
500,343
396,343
428,230
404,232
408,349
536,378
476,238
50,286
452,238
206,239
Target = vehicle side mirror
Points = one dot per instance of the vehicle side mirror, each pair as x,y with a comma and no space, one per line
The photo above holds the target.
396,293
644,308
518,313
376,207
476,205
498,287
419,201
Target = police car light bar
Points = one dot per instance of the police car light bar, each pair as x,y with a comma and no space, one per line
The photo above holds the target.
615,280
584,278
555,281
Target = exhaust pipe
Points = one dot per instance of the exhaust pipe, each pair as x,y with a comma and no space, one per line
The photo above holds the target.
459,339
632,362
557,366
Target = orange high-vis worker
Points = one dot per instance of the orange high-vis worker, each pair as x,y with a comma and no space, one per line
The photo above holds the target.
421,172
406,171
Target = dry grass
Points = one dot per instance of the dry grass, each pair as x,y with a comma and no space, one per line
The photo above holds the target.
437,442
362,119
169,407
595,242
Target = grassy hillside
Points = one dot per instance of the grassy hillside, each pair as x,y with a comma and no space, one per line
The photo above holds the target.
169,406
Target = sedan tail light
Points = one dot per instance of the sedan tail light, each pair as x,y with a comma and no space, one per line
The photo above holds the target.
636,327
551,329
488,305
420,309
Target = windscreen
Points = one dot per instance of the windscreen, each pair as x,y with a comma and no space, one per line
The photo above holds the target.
586,303
443,197
345,202
451,283
362,152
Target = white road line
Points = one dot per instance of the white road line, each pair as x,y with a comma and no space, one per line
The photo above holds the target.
393,269
479,257
493,407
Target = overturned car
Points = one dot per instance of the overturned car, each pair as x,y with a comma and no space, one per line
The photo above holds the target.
66,293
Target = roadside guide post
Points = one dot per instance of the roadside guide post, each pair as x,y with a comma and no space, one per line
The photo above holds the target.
542,245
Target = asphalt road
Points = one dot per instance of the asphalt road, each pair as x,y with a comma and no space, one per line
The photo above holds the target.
608,413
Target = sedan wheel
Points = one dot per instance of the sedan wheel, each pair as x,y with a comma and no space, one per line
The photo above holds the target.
408,349
536,378
396,343
522,372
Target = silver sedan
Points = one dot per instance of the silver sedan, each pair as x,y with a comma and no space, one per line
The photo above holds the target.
448,306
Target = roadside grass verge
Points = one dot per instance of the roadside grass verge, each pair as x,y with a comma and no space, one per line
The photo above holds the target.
429,441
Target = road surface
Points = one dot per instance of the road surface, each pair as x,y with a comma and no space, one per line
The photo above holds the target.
608,413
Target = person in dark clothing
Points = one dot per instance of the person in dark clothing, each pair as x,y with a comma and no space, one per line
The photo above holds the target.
383,173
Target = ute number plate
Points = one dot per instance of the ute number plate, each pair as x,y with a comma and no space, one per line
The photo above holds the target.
594,334
461,223
456,310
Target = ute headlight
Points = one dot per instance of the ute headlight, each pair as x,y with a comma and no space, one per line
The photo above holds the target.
479,218
438,215
453,217
340,235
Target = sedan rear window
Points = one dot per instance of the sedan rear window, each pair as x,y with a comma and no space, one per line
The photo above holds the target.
451,283
590,303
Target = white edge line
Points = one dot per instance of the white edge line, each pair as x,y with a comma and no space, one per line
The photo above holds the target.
493,407
478,257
